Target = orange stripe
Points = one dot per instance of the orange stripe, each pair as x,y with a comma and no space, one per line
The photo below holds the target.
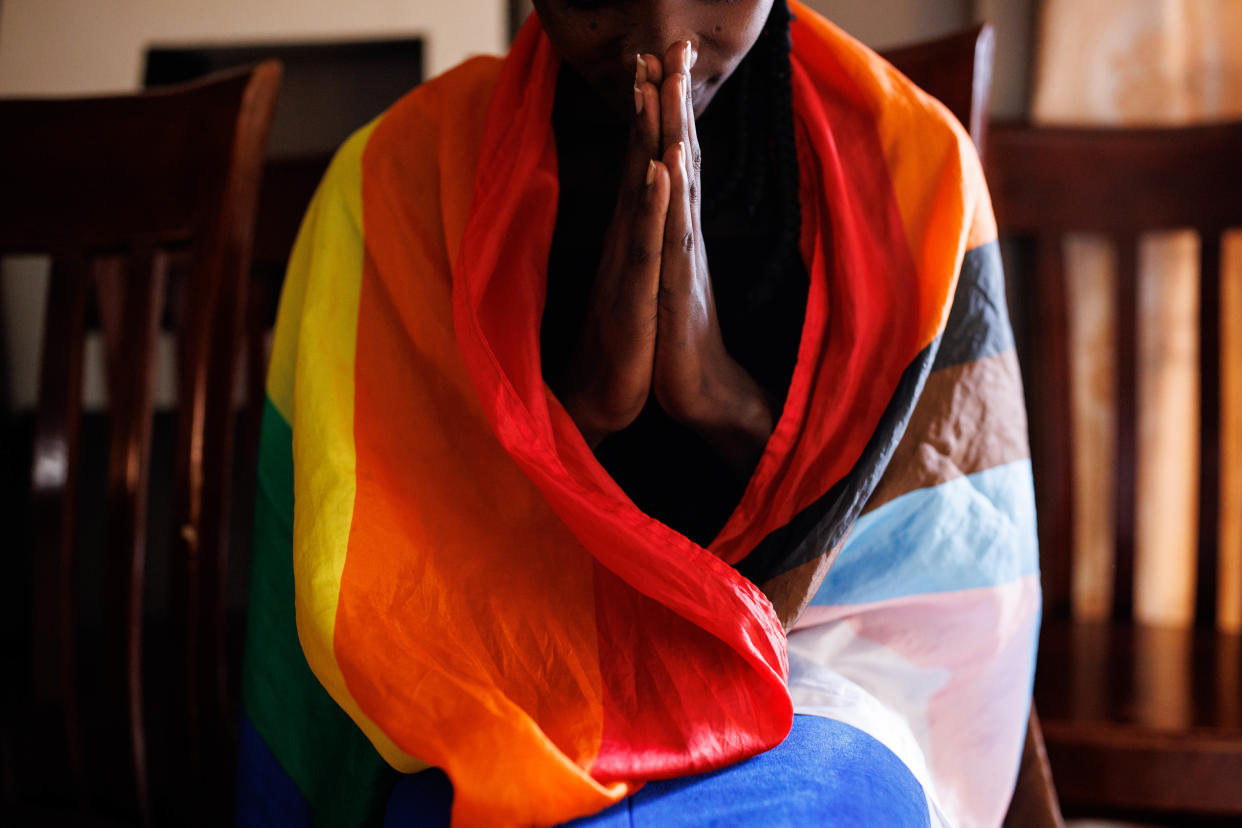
445,632
983,221
937,179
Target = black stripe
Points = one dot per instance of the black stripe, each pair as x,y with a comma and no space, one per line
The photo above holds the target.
978,324
822,525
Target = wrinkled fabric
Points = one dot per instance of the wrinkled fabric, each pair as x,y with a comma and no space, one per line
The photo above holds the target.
445,576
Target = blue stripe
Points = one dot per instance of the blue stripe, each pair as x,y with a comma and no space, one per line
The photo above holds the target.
266,796
420,800
974,531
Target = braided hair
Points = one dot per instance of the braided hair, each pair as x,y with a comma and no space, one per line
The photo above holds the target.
767,169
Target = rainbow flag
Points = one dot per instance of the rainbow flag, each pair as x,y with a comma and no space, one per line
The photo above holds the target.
444,576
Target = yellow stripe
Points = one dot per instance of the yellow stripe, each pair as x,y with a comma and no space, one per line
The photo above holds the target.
311,383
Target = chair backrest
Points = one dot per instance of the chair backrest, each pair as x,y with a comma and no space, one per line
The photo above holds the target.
122,193
957,71
1120,184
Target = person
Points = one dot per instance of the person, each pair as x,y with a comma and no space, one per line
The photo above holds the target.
645,445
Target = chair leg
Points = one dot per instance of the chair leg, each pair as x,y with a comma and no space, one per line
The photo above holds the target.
1034,802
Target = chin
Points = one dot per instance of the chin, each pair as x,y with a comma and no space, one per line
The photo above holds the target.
704,95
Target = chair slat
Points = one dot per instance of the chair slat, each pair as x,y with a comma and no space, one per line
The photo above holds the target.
1089,441
1209,418
193,345
54,487
1229,575
1050,410
218,438
1127,421
109,273
131,385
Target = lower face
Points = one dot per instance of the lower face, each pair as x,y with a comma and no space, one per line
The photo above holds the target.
600,39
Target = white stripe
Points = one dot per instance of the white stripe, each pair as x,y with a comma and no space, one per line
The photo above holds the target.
818,690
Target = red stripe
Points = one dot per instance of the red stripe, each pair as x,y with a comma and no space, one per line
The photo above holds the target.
862,270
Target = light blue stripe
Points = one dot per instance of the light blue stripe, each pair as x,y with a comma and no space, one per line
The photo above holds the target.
974,531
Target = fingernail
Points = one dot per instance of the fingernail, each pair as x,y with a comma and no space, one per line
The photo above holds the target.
638,100
640,70
692,55
651,173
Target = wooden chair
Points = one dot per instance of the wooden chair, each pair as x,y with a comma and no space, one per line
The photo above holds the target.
957,70
136,199
1136,717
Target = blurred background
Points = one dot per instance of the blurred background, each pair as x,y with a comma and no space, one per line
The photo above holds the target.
344,63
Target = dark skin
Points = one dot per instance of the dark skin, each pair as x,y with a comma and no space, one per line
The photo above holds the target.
651,328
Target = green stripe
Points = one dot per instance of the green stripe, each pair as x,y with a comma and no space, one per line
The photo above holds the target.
342,776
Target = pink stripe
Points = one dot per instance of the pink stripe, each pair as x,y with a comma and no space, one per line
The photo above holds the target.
985,639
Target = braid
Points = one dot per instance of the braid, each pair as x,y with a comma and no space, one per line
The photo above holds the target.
784,150
726,191
765,171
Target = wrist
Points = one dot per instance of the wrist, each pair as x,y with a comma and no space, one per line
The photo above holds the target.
734,417
743,411
599,410
586,417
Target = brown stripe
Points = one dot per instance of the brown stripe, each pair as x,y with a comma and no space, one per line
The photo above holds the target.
970,418
791,591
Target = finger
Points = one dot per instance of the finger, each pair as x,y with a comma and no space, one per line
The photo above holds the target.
686,57
694,172
655,68
678,57
680,60
647,89
673,93
678,128
644,139
641,282
680,242
695,157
